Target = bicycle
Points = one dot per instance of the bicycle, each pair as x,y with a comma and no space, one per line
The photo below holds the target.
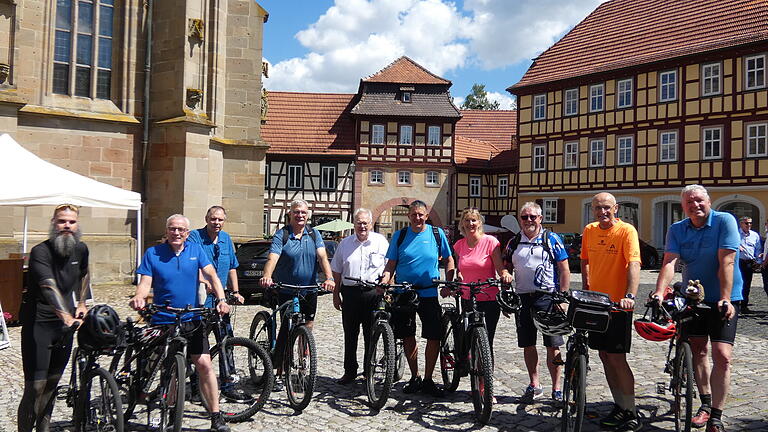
152,368
385,354
92,392
464,346
298,357
588,311
668,321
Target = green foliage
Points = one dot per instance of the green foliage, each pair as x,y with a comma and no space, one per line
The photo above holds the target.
478,99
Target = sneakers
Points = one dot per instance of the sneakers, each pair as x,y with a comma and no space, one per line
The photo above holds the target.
615,418
701,418
531,393
347,378
631,425
217,423
715,426
413,385
557,395
428,386
236,396
278,386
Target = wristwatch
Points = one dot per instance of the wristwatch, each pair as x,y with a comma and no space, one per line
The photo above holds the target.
630,296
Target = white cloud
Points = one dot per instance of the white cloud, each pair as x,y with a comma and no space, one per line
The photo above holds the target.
505,101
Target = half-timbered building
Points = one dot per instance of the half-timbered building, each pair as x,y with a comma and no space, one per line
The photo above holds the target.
642,98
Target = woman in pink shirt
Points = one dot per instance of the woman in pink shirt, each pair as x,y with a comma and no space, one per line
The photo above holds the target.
479,258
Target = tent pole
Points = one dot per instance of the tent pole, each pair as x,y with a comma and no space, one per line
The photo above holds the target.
24,237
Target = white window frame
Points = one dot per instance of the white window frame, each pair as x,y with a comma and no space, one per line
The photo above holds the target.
755,70
404,178
328,172
540,107
434,135
549,210
668,86
625,148
571,102
406,97
712,142
711,79
475,186
378,134
757,137
432,178
404,134
597,97
571,155
503,186
597,152
668,142
376,177
624,93
295,177
539,157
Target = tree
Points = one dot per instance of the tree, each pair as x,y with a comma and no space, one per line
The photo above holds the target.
478,99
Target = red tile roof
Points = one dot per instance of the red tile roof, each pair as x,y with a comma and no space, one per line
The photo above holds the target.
623,33
309,123
485,139
405,71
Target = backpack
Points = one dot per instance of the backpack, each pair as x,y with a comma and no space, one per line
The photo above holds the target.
287,234
435,232
515,241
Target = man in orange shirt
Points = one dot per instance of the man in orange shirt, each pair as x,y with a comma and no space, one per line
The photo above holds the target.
610,263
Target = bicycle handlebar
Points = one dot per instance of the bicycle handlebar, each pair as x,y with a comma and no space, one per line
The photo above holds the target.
368,285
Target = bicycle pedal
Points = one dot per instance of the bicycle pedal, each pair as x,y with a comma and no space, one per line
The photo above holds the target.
661,388
62,392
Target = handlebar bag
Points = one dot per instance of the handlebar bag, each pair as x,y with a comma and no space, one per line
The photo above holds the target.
589,310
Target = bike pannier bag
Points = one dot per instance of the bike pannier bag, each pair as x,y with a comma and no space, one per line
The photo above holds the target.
589,310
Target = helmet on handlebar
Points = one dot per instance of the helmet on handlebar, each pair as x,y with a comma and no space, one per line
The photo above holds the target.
551,321
658,328
406,302
100,329
508,300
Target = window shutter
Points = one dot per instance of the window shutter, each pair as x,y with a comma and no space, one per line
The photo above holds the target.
560,210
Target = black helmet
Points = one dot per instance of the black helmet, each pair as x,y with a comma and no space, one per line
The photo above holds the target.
406,301
551,321
508,300
100,329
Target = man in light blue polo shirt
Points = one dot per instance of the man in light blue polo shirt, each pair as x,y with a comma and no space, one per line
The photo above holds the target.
708,243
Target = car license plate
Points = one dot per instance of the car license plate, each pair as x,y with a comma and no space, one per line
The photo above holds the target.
253,273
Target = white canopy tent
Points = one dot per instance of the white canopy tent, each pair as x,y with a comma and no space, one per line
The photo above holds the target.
30,181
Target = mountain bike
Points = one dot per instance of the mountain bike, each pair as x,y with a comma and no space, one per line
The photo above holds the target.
296,359
92,391
381,361
464,346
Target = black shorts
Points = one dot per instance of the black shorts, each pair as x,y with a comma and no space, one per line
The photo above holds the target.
40,360
618,338
526,331
430,312
307,303
197,340
710,324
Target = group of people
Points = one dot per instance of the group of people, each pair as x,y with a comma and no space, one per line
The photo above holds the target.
191,263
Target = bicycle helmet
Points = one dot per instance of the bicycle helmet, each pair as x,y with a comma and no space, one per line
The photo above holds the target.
406,302
100,329
508,300
551,321
658,328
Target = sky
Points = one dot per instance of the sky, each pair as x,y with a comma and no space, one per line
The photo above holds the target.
327,46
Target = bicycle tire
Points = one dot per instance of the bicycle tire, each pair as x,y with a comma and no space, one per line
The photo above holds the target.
399,360
380,365
259,332
172,393
125,377
98,403
481,374
449,357
682,387
574,393
251,380
300,377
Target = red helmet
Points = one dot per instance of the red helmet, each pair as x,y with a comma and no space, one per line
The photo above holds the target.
655,331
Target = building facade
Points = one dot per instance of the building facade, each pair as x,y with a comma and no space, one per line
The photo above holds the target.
73,91
640,102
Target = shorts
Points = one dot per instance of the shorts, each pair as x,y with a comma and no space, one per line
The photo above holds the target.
430,313
618,338
526,330
307,303
710,324
39,360
196,336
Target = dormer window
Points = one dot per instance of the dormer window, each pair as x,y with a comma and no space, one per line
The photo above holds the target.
406,97
406,93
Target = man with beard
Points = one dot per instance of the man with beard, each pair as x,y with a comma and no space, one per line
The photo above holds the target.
58,268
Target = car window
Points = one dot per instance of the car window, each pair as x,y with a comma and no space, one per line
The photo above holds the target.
253,251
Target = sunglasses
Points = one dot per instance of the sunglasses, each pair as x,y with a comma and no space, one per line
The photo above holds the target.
216,251
529,217
71,207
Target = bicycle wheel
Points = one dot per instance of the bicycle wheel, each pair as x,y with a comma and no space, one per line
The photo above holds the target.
249,384
682,387
300,367
574,393
380,365
126,376
399,360
172,393
481,374
449,357
98,406
260,331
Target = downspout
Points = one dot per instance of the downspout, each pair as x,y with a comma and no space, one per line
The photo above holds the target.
145,143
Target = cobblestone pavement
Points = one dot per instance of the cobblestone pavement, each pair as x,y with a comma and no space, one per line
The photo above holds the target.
343,408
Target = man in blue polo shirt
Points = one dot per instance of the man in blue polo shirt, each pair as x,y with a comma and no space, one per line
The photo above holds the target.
171,270
416,259
708,243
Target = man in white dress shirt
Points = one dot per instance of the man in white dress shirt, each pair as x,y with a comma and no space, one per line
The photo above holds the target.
362,256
